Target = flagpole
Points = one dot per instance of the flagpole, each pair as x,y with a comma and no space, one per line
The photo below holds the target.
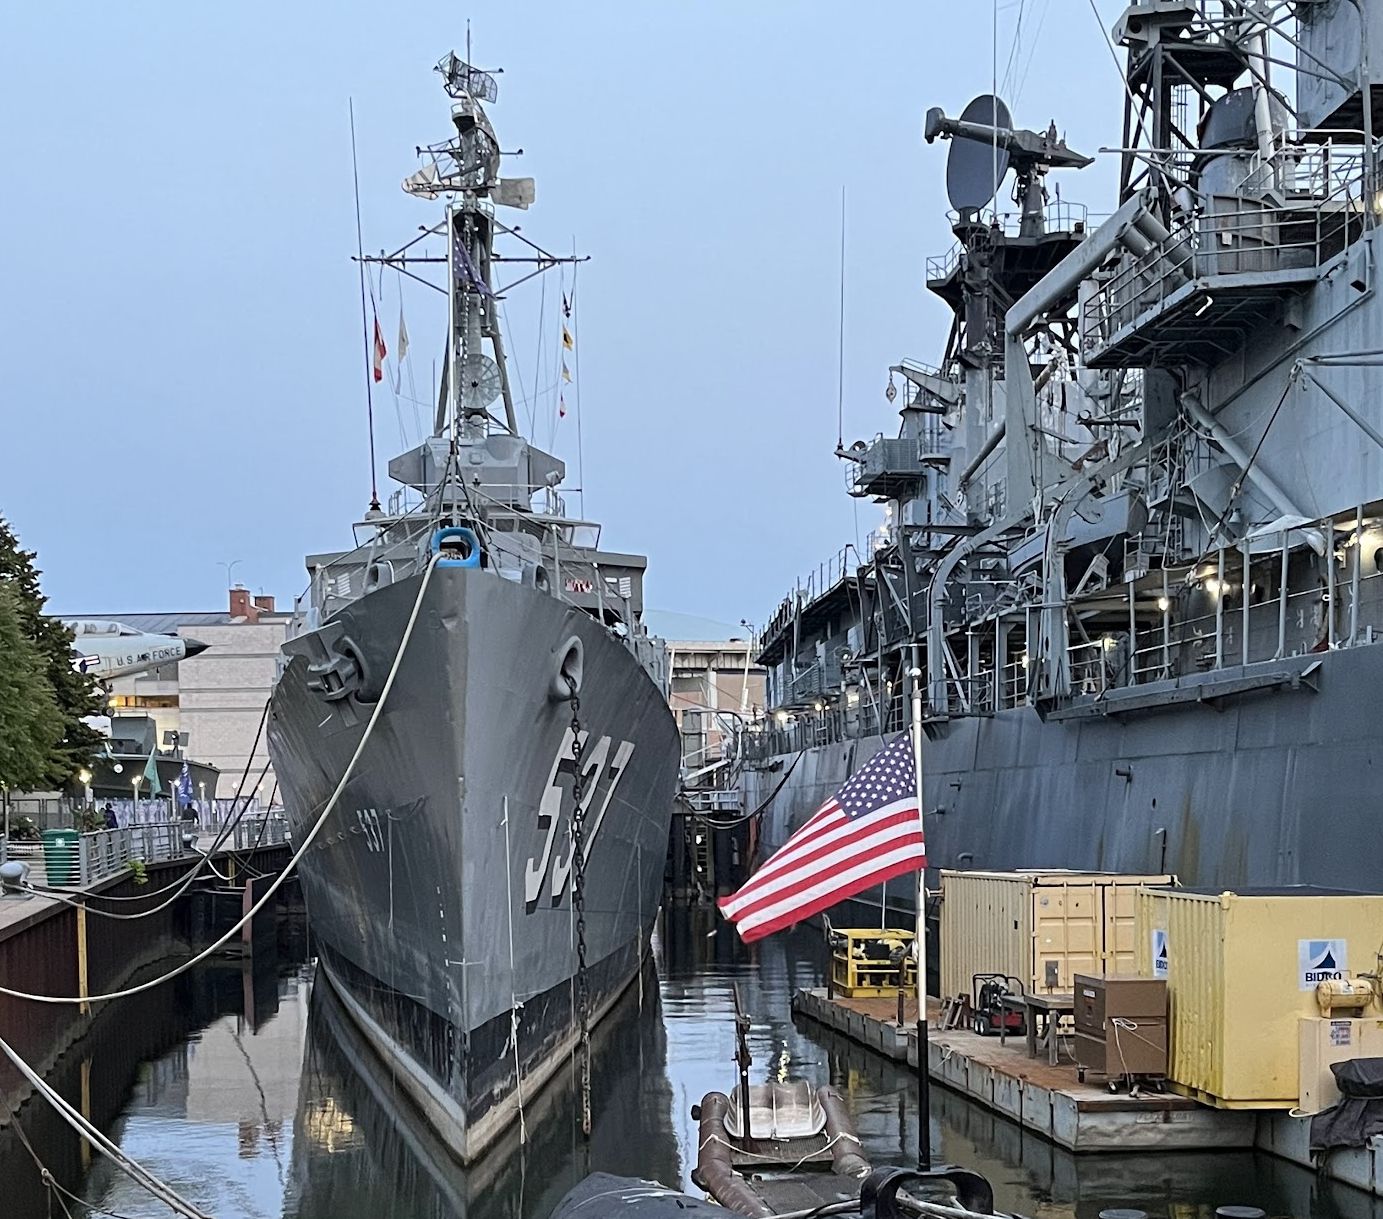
924,1092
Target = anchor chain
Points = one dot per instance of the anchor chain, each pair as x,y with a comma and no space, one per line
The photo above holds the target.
578,902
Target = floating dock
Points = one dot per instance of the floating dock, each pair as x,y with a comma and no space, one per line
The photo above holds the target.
1082,1117
1044,1098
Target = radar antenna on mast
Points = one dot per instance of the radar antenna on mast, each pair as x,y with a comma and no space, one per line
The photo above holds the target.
460,79
976,165
984,144
470,160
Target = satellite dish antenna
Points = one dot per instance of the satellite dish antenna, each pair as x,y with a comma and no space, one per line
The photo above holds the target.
479,382
976,168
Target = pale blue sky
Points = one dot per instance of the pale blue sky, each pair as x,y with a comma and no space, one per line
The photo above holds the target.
184,371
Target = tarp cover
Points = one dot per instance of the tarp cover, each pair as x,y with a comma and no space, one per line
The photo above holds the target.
1359,1114
1359,1078
601,1195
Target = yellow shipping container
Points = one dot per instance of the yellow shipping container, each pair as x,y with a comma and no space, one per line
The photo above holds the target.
1241,969
1016,922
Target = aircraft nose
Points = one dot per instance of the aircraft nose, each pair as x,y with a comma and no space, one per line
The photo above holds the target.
195,647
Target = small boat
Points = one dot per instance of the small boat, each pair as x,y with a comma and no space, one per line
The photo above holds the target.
788,1150
776,1147
797,1149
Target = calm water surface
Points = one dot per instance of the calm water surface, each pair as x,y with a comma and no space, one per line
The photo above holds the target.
247,1091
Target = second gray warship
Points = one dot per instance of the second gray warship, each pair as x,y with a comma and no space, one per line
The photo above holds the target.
466,680
1132,534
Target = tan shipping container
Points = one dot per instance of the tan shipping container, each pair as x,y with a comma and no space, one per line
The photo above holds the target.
1016,922
1241,971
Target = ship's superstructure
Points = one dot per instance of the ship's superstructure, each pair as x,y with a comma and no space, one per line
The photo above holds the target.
1133,531
470,696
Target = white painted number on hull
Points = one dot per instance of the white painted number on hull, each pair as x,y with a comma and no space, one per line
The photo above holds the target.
597,765
369,826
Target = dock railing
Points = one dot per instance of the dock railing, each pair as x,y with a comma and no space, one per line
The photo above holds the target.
268,830
105,853
84,859
714,800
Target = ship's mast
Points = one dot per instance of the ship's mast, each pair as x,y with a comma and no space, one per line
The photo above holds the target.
469,165
464,170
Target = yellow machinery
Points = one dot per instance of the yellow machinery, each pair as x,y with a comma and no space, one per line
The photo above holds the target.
870,962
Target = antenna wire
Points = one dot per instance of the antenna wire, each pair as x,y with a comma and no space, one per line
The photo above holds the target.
364,322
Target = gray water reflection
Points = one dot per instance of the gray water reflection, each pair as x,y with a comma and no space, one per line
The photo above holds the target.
288,1114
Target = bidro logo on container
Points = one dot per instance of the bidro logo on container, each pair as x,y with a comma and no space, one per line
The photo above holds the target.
1320,961
1159,952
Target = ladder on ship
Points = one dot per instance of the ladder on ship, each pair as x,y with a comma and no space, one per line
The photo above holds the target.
699,852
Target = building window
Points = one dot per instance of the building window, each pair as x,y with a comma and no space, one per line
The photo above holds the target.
146,702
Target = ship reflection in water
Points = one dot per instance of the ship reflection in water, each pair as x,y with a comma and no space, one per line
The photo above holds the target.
286,1113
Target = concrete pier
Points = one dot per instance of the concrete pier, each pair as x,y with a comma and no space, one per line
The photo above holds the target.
53,946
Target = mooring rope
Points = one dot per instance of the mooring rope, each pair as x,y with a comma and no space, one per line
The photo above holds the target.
298,852
130,1167
515,1007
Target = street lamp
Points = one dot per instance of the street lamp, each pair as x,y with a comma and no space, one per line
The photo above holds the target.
84,778
748,653
201,789
134,782
230,569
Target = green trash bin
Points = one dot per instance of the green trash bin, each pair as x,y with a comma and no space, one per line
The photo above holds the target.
60,856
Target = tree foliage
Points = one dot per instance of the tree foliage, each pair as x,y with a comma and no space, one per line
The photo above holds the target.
74,694
31,725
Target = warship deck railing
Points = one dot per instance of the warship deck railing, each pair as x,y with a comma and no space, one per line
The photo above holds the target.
1173,621
1057,217
824,577
1220,267
1307,164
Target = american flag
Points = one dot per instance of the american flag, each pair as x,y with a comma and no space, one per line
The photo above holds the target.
865,834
